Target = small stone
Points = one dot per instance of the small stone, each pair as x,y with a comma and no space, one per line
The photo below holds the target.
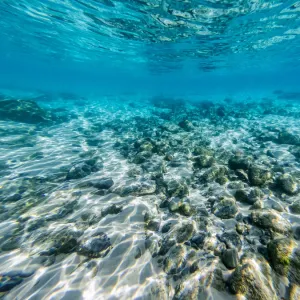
270,219
167,227
225,209
111,210
184,232
7,282
95,247
295,207
203,161
198,240
222,180
176,188
174,204
186,209
286,137
186,125
240,228
231,239
137,188
102,183
259,176
230,258
258,205
280,252
175,261
84,169
288,184
296,231
239,162
253,279
242,175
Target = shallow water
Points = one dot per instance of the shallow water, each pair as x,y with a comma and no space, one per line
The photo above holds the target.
149,150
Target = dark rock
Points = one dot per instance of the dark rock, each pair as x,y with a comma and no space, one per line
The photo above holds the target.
167,227
167,244
285,137
226,208
111,210
176,188
296,231
7,282
295,207
11,244
141,157
13,198
139,187
249,197
95,247
25,111
272,220
242,175
63,242
102,183
259,176
230,258
35,224
186,125
203,161
241,195
231,239
253,279
83,169
184,232
153,225
175,261
198,240
288,184
280,251
214,173
239,162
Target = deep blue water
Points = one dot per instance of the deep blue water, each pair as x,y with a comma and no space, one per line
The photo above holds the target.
140,45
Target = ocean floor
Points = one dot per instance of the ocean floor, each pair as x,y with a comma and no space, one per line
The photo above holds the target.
149,197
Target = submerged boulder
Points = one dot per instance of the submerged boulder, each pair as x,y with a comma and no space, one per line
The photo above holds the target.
272,220
85,168
259,176
288,184
253,279
286,137
175,260
139,187
285,258
295,207
25,111
97,246
226,208
176,188
280,251
230,258
239,162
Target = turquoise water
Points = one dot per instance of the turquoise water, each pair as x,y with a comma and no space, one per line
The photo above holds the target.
149,149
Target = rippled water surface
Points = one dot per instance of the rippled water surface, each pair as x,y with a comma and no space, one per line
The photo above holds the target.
149,149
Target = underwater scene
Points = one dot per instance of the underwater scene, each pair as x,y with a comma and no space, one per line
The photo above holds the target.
150,149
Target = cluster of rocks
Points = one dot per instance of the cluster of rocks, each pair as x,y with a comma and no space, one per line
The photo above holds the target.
28,111
245,191
220,217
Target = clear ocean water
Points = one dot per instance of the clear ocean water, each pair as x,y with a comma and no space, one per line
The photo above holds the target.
149,149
